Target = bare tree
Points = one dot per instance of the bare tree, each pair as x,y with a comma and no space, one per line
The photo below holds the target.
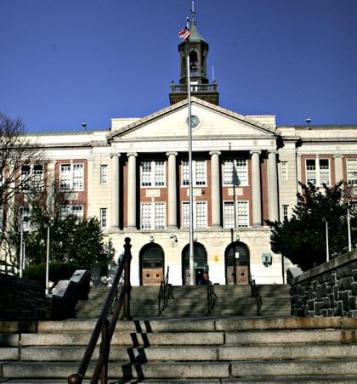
16,151
17,159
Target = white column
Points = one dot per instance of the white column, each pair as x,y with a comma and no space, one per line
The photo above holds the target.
131,190
338,168
299,172
172,190
256,188
115,190
273,187
215,201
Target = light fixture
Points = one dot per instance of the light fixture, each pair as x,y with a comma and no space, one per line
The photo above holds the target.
152,239
173,237
267,259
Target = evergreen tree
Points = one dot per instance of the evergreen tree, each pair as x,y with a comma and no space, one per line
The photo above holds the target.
302,239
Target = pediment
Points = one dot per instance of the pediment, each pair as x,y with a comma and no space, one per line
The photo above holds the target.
171,123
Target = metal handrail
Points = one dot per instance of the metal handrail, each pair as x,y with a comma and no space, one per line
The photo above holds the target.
211,298
105,327
165,293
255,293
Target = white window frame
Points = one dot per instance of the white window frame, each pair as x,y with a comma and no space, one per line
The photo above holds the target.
241,221
241,172
284,171
103,177
103,217
74,178
185,214
156,177
72,209
318,170
196,171
351,171
156,210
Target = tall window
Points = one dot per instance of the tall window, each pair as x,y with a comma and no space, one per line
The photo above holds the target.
235,172
153,215
318,171
76,210
199,214
285,212
199,173
72,177
284,171
38,177
153,173
242,212
25,219
352,171
103,174
25,177
103,217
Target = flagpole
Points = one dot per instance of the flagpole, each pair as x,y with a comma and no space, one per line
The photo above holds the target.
191,252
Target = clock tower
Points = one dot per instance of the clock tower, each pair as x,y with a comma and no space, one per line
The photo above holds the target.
197,48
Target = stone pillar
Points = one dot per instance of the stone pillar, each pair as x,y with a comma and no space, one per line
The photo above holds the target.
215,186
172,190
338,168
299,172
115,190
273,195
131,190
256,188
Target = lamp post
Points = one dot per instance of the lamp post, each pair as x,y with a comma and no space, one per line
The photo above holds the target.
349,230
326,238
47,225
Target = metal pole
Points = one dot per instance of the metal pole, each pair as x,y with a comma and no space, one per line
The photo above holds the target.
24,255
327,246
191,253
48,261
21,248
349,230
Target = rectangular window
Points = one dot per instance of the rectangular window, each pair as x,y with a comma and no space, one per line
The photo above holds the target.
72,177
352,171
25,219
153,173
38,182
103,174
318,171
235,172
153,215
25,177
103,217
285,212
199,214
243,213
354,206
76,210
284,170
241,210
199,173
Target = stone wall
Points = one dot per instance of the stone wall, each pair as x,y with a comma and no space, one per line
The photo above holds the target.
21,299
327,290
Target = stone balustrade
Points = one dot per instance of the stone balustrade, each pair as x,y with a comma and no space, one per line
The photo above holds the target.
327,290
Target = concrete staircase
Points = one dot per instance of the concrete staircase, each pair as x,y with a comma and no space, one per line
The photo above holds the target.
232,300
231,350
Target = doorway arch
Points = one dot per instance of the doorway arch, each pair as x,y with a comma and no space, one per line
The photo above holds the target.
152,264
200,262
237,262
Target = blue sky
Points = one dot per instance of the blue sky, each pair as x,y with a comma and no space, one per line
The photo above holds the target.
64,62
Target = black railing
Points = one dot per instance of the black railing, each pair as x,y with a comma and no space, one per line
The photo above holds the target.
105,327
255,293
211,298
165,293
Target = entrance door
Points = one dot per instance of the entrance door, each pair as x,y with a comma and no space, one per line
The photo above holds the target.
200,263
151,264
237,263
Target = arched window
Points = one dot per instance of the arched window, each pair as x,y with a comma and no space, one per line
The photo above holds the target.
152,259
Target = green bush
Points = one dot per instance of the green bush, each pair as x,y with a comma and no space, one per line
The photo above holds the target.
58,271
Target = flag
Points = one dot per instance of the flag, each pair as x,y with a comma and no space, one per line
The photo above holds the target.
184,34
